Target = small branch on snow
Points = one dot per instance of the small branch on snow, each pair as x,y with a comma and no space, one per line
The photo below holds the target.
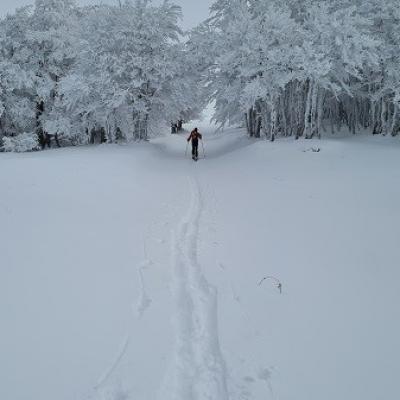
278,283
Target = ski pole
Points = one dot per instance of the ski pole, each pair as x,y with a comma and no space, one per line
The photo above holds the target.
187,145
204,153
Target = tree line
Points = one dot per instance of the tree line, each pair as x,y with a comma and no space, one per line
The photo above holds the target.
303,67
78,75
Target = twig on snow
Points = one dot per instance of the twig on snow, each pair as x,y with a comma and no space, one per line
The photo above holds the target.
278,283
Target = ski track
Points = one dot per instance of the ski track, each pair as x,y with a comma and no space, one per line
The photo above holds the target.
144,303
123,349
198,370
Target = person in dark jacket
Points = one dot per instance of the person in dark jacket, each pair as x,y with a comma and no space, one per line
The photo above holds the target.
195,136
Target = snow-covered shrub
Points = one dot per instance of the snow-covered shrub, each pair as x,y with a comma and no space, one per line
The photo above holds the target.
21,143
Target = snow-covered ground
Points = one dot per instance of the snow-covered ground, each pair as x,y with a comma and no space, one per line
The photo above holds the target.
131,272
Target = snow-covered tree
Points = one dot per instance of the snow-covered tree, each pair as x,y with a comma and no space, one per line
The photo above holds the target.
16,79
129,75
51,42
37,51
96,73
289,68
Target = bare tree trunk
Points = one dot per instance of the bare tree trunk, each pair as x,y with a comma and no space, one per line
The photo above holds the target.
307,114
246,115
384,117
251,122
56,140
257,120
314,99
273,120
320,112
301,122
283,112
393,129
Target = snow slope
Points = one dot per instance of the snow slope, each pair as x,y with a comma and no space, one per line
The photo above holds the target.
130,272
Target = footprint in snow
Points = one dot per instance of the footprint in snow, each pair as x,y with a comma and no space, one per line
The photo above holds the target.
144,301
143,305
222,266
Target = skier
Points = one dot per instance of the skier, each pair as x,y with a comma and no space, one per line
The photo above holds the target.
194,137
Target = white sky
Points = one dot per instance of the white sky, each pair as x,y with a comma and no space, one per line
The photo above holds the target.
194,11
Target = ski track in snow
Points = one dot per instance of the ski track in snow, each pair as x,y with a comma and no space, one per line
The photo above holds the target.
198,370
143,304
144,301
123,349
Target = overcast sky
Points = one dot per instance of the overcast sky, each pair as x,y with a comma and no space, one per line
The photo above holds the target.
194,11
